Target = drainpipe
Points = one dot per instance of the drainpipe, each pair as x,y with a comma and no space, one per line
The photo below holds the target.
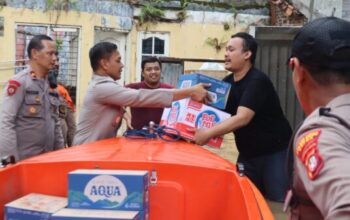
311,9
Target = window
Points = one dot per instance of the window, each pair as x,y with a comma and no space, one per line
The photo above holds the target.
151,44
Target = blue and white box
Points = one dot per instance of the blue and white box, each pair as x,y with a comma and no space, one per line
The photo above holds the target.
108,189
218,91
34,206
93,214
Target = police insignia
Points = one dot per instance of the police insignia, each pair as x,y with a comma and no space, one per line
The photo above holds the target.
307,152
37,99
62,109
32,110
12,87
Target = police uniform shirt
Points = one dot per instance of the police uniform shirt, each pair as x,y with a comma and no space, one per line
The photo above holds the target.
321,179
103,103
29,120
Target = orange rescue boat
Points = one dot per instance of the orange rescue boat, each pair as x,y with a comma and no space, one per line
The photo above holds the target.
188,182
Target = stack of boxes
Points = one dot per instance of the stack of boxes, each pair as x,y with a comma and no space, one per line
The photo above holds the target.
109,190
218,90
186,113
34,207
92,194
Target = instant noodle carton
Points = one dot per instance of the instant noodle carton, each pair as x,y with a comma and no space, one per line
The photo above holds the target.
109,190
34,206
218,91
90,214
186,113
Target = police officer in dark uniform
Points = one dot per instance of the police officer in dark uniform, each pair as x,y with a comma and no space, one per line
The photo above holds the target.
29,120
321,146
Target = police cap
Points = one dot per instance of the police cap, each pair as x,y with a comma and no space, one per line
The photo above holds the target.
324,42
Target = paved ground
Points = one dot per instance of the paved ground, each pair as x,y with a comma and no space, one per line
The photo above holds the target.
228,151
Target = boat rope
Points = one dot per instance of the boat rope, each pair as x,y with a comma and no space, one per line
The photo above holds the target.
154,131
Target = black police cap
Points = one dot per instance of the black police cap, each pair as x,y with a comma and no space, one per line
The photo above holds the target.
324,42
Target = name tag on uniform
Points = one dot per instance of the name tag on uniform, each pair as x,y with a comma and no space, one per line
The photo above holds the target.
31,92
54,94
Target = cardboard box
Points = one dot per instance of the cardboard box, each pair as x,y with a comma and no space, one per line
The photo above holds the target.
34,207
219,90
90,214
108,189
187,113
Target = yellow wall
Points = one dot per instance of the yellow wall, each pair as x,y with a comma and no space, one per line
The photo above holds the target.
185,41
85,21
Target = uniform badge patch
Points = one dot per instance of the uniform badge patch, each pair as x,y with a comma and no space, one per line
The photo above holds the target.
308,153
37,99
32,110
12,87
62,110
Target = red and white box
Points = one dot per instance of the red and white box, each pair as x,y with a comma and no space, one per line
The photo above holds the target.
187,113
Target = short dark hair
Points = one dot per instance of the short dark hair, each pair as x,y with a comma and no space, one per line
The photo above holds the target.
249,44
327,76
36,43
323,47
102,50
150,60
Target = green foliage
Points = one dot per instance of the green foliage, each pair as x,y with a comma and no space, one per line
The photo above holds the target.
59,44
181,15
184,3
61,5
150,12
215,43
2,4
226,26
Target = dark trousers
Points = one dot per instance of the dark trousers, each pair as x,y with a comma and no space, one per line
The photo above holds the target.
268,173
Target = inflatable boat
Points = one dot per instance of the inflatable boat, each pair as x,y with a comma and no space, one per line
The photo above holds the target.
187,181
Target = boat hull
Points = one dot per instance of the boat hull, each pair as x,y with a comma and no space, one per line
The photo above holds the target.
192,183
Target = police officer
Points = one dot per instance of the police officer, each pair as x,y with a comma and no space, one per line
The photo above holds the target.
105,98
66,108
321,147
29,121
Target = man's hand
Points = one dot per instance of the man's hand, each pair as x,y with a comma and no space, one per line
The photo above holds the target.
127,119
200,94
201,135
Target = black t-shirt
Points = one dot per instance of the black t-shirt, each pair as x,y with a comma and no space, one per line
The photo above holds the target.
269,130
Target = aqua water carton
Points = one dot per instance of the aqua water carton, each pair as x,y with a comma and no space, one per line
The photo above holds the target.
218,91
93,214
34,206
186,113
109,190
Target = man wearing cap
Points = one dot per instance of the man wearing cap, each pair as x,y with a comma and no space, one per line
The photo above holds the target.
105,98
321,146
29,121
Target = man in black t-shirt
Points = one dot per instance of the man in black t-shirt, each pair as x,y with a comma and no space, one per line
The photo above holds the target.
261,130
